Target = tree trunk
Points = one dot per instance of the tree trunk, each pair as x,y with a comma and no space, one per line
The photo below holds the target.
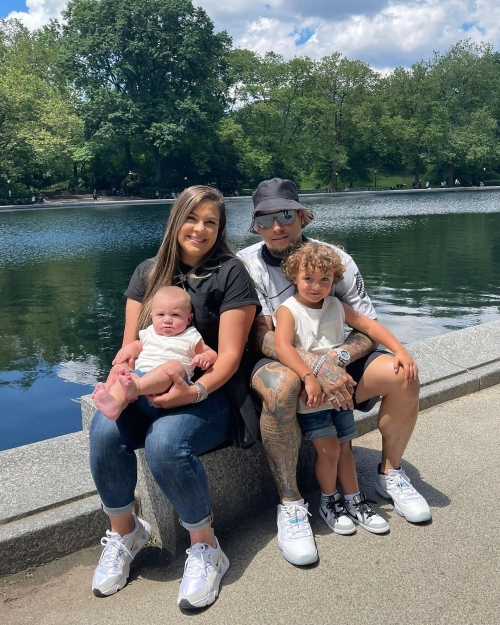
128,155
451,175
157,155
333,180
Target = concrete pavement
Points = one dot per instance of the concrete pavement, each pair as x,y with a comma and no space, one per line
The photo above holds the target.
442,572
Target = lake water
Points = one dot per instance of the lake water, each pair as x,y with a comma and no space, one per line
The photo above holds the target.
430,261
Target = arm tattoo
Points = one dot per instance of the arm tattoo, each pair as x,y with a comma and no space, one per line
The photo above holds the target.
263,336
358,345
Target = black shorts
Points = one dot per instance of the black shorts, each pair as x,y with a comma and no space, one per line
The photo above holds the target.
355,370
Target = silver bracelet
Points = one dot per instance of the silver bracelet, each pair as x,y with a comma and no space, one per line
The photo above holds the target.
201,392
319,364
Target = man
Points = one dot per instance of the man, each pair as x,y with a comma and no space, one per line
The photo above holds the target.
353,375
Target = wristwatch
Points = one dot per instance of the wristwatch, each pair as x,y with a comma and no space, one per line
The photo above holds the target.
344,356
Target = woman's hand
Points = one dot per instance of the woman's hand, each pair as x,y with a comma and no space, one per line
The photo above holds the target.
179,394
403,359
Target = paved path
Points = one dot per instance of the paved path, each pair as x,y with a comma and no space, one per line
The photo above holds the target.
442,572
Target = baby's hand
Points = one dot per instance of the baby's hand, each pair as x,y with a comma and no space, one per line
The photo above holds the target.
203,361
403,359
314,392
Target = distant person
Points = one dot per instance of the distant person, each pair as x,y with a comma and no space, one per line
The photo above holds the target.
481,184
157,194
169,345
443,184
312,320
457,182
427,185
94,195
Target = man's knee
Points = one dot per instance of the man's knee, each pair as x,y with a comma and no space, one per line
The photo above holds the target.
276,384
380,379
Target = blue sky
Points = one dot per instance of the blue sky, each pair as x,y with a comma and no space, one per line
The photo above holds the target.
383,33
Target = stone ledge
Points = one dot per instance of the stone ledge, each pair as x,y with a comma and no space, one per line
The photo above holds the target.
47,486
51,534
44,475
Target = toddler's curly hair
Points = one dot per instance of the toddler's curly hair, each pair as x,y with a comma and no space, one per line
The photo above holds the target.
313,256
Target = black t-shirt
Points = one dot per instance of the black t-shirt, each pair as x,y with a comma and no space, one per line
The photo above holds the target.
212,293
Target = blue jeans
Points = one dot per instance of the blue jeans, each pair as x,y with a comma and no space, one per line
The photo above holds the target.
172,444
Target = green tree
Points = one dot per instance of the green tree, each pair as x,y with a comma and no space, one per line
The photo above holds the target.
150,72
38,123
463,127
340,126
271,100
408,107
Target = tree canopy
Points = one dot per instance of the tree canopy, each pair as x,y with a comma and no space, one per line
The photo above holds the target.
145,95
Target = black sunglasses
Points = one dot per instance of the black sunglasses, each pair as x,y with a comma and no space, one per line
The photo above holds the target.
285,218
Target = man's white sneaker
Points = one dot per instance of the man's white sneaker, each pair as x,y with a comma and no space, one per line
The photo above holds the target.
203,572
408,503
363,514
295,537
335,515
113,569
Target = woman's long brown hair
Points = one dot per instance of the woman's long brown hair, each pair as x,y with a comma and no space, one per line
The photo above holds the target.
166,262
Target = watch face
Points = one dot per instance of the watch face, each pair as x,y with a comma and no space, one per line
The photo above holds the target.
344,354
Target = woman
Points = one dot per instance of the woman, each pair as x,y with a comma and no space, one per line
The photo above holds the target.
195,255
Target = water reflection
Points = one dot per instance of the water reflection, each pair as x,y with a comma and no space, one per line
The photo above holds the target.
430,262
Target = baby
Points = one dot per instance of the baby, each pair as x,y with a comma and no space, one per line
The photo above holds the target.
167,346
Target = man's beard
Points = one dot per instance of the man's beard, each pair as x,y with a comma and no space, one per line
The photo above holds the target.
283,252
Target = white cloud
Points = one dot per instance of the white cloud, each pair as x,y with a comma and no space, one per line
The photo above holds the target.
80,372
39,13
383,33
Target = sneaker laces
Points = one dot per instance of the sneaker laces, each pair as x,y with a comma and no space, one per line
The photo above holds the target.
402,482
296,521
336,507
363,507
198,562
114,549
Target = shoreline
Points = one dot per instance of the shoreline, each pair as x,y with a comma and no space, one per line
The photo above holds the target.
108,201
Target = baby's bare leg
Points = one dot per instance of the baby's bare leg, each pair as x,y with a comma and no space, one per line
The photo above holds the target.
154,382
111,403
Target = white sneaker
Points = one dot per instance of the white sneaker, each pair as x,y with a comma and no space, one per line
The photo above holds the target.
113,569
363,514
335,515
408,503
295,537
203,572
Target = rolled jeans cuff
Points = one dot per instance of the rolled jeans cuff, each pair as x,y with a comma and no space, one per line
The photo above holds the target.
199,525
118,511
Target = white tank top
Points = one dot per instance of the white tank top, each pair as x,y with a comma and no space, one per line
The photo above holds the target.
318,331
